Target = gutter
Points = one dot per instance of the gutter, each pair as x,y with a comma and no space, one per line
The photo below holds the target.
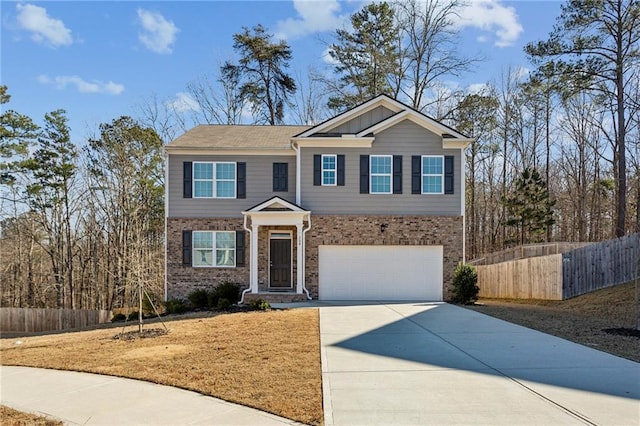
296,148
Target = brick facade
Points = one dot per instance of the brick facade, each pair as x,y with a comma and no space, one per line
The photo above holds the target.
334,230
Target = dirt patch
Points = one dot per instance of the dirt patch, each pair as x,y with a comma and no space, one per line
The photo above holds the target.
266,360
11,417
588,319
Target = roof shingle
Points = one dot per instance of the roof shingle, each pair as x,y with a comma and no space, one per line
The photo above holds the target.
249,137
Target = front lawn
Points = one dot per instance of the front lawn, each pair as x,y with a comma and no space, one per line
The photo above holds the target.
267,360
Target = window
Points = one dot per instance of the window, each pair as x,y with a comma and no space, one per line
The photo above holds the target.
280,177
214,180
214,248
381,172
432,174
329,170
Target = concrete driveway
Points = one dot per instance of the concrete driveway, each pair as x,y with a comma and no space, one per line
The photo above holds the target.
434,363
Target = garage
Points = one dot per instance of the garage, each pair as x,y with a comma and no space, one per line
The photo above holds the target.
380,272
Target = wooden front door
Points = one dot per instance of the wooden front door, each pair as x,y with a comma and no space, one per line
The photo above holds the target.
280,263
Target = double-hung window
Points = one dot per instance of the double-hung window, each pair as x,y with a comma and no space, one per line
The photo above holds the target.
381,171
329,170
432,174
214,180
214,248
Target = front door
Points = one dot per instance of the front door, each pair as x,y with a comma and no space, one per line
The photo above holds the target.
280,263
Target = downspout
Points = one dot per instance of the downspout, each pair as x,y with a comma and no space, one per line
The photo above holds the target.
296,148
244,225
304,258
166,219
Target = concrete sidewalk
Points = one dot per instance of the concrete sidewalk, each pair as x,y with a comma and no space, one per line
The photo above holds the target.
91,399
438,364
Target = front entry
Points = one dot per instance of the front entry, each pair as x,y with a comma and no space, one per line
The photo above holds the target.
280,262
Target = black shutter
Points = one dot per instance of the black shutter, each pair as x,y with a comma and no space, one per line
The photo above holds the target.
280,177
241,180
317,170
240,249
186,248
364,174
187,177
340,181
448,174
416,174
397,174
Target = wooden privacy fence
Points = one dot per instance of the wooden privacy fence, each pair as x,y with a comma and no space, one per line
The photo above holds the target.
565,275
34,320
525,251
533,278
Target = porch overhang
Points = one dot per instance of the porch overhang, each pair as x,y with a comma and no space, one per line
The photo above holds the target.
276,211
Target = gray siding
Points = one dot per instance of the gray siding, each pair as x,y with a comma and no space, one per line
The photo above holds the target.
363,121
406,139
259,186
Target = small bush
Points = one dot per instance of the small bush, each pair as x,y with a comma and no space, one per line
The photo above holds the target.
133,316
199,298
465,288
118,317
259,305
223,304
175,306
225,290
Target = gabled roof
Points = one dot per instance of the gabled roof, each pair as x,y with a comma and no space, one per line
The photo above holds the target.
323,131
276,203
237,137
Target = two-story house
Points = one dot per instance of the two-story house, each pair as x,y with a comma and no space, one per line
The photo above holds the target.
368,205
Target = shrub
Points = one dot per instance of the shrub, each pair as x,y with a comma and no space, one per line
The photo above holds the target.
175,306
465,289
226,290
259,305
133,316
223,304
118,317
199,298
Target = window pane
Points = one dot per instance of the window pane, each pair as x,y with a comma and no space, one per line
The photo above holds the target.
202,239
225,171
203,258
328,178
203,171
203,189
329,162
432,165
225,189
432,184
226,240
380,164
225,258
380,184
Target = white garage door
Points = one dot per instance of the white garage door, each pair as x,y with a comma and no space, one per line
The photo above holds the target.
380,272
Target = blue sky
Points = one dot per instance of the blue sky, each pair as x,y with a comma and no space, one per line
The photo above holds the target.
99,59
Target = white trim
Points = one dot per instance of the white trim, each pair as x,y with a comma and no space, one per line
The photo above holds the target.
334,170
214,180
422,175
166,223
334,142
228,151
214,250
381,174
273,201
381,100
296,148
463,208
290,239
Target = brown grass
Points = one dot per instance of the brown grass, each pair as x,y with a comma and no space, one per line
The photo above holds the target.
582,319
266,360
11,417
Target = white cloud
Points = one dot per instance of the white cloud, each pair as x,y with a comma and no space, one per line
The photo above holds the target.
327,58
494,17
157,34
183,102
477,88
44,29
83,86
314,17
